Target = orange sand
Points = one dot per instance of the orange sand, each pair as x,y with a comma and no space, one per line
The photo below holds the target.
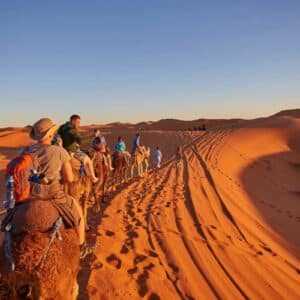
225,226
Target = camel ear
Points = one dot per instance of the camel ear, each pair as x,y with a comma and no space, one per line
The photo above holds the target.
25,292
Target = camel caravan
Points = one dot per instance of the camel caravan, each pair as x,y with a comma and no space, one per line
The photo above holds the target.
48,188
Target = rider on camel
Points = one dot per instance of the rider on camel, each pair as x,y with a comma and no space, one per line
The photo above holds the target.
53,168
71,142
136,143
99,144
121,148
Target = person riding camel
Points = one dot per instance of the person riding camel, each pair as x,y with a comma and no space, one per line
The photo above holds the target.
49,169
71,141
121,148
136,143
99,144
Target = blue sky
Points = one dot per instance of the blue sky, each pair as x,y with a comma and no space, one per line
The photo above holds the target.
146,60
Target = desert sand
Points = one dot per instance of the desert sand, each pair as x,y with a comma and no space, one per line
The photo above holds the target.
224,226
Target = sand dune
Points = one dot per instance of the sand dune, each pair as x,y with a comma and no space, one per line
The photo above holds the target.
224,226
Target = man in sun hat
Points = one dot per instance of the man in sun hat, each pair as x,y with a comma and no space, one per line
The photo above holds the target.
53,160
54,167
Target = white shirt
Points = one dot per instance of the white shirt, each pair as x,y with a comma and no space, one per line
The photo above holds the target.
157,154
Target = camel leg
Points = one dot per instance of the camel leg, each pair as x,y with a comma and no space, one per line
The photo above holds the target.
126,171
75,290
124,175
113,181
97,204
132,171
84,210
121,178
103,190
82,225
140,168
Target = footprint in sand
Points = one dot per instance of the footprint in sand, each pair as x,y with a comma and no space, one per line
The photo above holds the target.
113,260
149,267
132,271
174,268
138,223
109,233
154,296
267,249
152,253
139,258
124,249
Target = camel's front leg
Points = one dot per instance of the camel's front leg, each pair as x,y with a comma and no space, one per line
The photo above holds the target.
146,165
141,169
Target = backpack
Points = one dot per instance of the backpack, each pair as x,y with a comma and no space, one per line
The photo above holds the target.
22,168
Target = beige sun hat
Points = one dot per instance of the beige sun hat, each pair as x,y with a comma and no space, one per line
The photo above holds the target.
42,129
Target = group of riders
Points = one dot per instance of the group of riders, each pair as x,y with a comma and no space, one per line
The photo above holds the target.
68,136
52,154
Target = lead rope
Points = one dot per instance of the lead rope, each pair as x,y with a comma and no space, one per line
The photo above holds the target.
7,247
55,234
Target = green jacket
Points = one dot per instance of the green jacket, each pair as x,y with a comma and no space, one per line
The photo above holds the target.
70,137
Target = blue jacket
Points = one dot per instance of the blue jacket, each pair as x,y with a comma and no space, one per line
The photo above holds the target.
136,141
120,147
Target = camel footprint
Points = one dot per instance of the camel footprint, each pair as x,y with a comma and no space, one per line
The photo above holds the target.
114,261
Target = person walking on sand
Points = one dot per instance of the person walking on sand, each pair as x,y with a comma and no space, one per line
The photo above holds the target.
179,156
157,157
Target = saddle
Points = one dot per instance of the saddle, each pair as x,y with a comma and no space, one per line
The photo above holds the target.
32,216
41,210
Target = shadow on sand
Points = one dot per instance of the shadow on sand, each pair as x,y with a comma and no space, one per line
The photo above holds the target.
272,182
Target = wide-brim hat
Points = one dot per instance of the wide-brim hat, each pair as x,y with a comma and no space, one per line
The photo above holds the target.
42,129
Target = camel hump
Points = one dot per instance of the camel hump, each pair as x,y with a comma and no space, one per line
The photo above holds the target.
34,216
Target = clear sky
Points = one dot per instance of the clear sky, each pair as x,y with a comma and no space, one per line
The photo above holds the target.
145,60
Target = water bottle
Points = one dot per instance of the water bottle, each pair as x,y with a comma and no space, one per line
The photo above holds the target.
9,197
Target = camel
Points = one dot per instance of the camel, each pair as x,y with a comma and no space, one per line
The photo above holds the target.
146,158
39,274
140,156
80,188
102,172
120,170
